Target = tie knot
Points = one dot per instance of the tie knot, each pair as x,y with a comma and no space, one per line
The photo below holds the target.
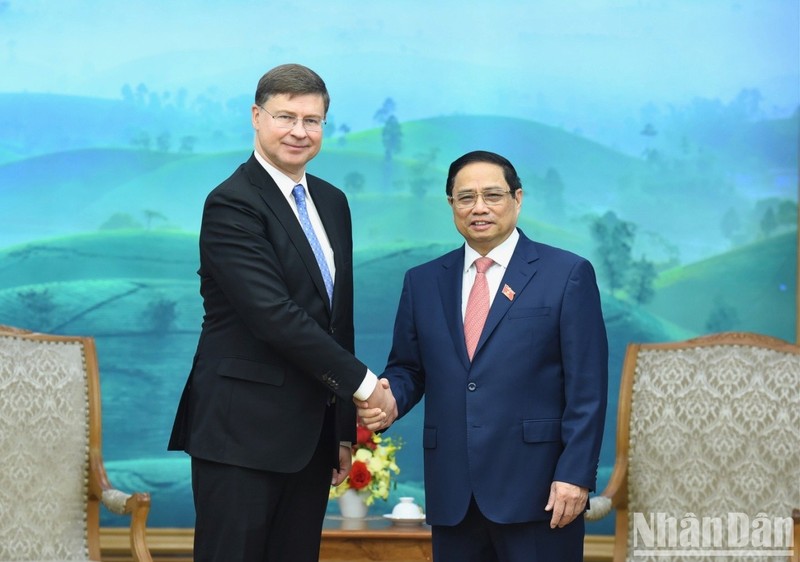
482,264
299,193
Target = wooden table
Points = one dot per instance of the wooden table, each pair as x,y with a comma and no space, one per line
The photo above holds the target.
373,539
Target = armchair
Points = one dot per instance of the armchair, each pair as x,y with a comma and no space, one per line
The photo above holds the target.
52,479
708,451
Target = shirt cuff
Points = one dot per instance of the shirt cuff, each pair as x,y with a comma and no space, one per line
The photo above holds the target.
367,386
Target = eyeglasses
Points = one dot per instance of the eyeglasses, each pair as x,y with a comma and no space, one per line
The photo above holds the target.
286,121
468,199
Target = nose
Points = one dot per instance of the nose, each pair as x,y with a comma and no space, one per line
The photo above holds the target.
298,125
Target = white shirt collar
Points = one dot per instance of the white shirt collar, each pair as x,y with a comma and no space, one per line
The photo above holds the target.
501,255
285,183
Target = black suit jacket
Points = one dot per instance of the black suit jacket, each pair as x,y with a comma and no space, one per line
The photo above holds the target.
272,354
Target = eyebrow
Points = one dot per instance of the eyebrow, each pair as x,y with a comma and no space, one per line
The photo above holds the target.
294,114
485,188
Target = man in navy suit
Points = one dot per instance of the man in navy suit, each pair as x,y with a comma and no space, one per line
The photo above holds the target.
513,421
267,413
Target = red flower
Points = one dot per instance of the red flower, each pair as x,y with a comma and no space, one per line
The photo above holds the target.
364,438
359,475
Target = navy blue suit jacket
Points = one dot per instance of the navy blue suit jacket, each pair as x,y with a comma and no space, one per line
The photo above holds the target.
529,409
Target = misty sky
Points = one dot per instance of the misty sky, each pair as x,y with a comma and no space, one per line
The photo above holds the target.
432,57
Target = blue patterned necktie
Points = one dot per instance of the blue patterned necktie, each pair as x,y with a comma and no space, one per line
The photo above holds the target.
300,198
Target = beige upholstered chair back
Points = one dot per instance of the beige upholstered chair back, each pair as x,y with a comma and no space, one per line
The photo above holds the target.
44,439
713,446
51,474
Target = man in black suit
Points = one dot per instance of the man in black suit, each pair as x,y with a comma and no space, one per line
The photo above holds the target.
267,413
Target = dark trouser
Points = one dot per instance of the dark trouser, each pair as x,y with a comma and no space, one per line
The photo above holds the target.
245,515
476,539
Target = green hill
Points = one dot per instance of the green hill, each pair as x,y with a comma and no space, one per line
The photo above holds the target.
670,202
116,254
591,172
756,284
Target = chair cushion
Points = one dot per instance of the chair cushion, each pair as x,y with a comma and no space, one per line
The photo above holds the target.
713,431
44,439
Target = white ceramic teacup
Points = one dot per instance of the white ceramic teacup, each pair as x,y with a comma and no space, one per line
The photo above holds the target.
406,509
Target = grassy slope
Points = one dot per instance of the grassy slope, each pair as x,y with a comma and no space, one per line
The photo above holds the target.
758,280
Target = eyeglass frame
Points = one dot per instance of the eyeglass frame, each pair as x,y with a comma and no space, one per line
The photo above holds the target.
322,122
481,195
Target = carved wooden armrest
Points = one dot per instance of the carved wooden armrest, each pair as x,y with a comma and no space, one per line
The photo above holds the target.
599,507
138,506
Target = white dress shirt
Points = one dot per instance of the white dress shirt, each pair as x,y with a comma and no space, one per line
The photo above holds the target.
501,255
286,185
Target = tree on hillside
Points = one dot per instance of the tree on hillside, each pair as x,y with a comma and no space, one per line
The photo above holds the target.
731,225
141,140
164,141
354,182
39,306
160,315
421,172
640,281
722,317
786,213
775,215
552,194
120,221
392,137
385,111
127,94
343,129
768,222
150,215
141,95
187,144
614,238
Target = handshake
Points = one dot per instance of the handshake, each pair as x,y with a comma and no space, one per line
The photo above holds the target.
379,410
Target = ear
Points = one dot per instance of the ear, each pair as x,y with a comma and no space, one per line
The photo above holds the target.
254,111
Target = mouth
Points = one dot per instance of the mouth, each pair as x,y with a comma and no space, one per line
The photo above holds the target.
480,225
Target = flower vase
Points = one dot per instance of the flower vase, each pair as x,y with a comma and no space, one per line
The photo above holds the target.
352,505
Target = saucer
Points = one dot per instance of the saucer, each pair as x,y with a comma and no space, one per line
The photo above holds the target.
405,521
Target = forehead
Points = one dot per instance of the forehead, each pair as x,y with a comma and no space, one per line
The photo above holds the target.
479,176
303,104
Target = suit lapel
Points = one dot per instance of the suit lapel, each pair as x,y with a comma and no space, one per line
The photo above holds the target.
275,200
519,273
451,279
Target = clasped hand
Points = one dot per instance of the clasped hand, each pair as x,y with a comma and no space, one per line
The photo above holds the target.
379,410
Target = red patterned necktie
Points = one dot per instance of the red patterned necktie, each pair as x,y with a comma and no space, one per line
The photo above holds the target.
477,306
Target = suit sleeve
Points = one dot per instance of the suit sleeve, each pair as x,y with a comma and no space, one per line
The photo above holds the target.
404,368
585,361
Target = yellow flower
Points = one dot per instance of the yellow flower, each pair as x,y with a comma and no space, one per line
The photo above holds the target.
378,454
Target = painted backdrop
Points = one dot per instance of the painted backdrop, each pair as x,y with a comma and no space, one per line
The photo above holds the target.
659,139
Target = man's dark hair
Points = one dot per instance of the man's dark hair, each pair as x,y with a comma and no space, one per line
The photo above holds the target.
292,80
510,174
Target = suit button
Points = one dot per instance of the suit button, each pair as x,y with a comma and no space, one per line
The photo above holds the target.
472,386
331,330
